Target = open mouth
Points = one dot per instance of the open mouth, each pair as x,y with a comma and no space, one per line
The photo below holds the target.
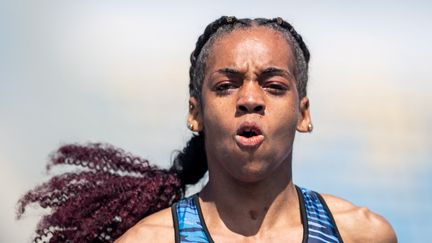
249,131
249,135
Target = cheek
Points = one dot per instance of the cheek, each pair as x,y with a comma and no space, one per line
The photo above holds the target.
216,116
285,121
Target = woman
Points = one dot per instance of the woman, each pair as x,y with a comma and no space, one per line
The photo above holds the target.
247,100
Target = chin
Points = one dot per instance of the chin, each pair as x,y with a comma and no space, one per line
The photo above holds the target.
253,172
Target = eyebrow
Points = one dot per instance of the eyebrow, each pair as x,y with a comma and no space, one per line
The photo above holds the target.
272,71
230,71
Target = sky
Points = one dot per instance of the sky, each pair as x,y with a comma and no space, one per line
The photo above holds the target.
117,72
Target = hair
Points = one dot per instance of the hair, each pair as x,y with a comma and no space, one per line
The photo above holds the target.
113,189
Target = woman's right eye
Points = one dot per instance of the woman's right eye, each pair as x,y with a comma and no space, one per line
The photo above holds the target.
224,87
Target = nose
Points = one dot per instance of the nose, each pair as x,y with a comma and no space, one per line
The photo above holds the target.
250,99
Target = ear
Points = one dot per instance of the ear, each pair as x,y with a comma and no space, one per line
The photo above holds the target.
195,115
304,122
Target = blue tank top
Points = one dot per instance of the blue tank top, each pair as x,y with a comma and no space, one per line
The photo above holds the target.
318,223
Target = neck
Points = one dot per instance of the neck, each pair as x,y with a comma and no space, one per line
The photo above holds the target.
249,208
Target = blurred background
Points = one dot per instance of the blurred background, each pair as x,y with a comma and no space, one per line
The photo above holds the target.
117,72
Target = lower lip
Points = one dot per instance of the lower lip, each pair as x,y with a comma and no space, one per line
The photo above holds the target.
251,142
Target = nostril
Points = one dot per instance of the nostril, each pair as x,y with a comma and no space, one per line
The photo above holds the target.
258,108
243,108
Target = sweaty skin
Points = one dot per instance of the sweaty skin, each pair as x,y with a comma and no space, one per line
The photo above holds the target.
250,196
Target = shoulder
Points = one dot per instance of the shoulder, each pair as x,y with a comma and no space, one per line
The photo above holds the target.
157,227
359,224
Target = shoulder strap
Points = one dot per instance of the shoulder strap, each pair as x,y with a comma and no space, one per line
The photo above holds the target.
321,226
188,225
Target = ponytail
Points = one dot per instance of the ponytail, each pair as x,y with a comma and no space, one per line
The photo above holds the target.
190,164
111,193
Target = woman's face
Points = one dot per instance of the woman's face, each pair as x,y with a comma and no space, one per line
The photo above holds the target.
250,105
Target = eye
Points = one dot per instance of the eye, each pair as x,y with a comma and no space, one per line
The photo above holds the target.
224,87
276,88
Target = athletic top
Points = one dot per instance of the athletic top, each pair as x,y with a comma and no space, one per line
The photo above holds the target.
318,223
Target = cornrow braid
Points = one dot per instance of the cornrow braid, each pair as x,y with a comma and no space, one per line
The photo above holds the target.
202,40
282,23
301,52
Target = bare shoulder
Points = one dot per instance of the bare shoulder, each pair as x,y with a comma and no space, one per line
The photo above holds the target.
157,227
359,224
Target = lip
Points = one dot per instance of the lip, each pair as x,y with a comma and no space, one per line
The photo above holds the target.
249,142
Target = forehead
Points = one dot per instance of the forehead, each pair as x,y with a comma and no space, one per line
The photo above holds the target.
258,46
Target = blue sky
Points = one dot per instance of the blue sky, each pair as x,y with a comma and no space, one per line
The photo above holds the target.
111,71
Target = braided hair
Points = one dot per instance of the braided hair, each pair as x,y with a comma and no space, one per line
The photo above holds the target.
114,189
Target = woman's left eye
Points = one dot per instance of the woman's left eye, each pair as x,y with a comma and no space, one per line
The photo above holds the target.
275,88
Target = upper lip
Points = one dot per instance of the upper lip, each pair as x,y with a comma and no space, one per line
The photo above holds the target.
249,129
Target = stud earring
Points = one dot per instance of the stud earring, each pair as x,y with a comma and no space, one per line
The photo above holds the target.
190,126
310,127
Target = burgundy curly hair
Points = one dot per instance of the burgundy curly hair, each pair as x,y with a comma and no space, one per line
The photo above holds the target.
99,203
114,189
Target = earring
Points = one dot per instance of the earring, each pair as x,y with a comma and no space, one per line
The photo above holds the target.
190,126
310,127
